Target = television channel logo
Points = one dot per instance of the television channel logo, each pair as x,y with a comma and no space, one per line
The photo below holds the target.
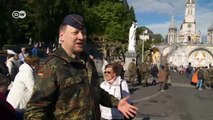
19,14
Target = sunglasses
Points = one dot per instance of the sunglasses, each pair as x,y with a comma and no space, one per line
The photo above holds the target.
107,72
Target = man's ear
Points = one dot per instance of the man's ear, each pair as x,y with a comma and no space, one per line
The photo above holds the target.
61,37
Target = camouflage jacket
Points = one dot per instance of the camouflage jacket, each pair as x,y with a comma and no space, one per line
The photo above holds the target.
67,88
132,68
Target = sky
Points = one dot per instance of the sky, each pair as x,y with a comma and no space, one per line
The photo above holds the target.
156,14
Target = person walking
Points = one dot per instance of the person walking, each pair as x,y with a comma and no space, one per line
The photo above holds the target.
116,86
200,75
194,77
65,88
162,78
154,72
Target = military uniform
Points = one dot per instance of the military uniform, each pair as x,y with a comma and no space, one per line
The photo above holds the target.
132,69
67,88
139,73
210,77
145,74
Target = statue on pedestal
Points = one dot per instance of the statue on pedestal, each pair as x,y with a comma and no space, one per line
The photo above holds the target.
132,38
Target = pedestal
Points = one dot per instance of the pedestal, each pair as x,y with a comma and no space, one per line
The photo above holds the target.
128,58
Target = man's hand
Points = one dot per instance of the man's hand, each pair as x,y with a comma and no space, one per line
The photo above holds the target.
126,108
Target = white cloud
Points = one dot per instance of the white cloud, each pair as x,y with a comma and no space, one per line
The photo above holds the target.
204,20
167,7
162,28
173,7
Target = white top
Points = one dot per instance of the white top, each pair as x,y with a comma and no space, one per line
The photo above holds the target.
10,64
21,90
114,89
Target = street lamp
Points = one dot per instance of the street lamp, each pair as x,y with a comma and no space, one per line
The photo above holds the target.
143,37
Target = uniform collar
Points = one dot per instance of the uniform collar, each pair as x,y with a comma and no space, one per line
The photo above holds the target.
74,58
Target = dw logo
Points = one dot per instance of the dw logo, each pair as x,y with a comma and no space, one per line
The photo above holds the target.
19,14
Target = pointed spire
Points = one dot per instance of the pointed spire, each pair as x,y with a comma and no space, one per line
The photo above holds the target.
172,23
190,1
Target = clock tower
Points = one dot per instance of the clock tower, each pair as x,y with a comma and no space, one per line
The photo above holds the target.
187,31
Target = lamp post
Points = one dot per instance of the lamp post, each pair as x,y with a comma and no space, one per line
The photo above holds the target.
142,48
143,38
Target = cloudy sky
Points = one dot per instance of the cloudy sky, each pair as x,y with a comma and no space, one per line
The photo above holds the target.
156,14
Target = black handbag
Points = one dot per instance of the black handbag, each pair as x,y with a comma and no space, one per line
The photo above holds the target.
130,118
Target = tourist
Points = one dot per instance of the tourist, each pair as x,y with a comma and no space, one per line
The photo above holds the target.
162,78
23,54
116,86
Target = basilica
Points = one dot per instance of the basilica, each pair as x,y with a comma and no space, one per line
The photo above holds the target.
185,45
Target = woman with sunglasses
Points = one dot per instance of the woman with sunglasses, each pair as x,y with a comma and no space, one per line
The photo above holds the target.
115,86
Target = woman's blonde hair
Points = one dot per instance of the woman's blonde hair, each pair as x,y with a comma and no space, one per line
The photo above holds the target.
31,59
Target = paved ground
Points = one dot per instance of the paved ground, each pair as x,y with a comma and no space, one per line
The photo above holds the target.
180,102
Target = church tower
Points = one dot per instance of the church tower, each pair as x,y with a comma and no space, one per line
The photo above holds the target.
188,27
172,33
210,34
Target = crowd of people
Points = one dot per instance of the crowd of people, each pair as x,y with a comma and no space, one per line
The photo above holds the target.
201,77
137,74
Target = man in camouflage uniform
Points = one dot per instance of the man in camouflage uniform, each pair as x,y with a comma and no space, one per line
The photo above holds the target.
210,77
145,74
139,73
67,86
132,69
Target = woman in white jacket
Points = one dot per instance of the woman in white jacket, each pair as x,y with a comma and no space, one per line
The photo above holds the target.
113,84
21,90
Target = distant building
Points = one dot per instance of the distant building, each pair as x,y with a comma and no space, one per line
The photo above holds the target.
185,45
172,33
210,35
187,32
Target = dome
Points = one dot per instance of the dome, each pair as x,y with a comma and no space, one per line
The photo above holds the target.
210,28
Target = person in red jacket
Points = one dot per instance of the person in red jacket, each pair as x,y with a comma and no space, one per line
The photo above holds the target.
7,112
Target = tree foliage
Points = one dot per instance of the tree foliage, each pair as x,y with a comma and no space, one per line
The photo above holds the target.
107,21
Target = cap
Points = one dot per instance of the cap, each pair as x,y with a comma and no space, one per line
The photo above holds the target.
10,52
74,20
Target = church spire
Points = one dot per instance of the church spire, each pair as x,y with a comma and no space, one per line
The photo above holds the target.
172,22
190,1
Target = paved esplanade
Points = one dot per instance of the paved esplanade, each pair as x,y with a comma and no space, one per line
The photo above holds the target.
180,102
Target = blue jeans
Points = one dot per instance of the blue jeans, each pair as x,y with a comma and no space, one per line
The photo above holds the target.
200,83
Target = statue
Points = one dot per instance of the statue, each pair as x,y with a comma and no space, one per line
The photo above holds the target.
132,38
